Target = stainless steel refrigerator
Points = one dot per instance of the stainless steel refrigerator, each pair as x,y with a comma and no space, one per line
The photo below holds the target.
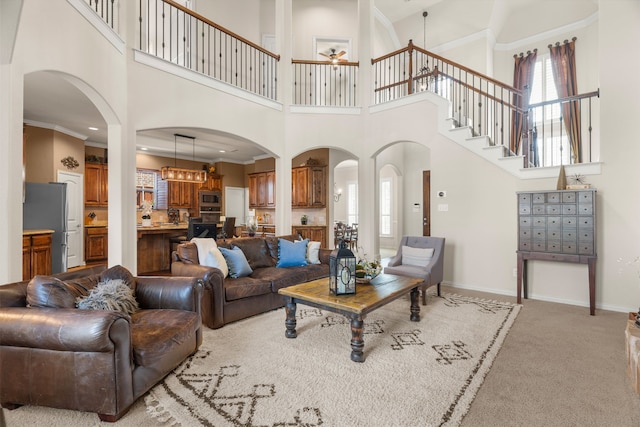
45,207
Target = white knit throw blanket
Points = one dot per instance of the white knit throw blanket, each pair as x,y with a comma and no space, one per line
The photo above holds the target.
204,245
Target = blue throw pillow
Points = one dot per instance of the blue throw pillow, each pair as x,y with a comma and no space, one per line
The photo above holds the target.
237,262
292,254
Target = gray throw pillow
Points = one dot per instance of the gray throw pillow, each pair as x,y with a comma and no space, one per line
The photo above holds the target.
110,295
237,262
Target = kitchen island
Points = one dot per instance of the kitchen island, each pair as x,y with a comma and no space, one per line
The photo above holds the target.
155,245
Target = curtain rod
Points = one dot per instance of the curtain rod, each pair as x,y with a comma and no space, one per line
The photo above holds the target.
528,53
565,42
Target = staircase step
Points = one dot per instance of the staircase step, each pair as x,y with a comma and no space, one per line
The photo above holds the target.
499,155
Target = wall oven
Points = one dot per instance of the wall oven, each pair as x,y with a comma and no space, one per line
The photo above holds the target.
210,205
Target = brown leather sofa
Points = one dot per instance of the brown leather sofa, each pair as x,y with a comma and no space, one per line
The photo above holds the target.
226,300
94,360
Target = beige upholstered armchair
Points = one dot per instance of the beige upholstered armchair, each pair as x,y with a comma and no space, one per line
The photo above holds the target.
422,257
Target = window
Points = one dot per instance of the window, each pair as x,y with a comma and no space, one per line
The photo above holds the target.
352,203
385,207
547,120
146,187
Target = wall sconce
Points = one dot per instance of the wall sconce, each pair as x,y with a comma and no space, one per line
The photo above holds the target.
337,192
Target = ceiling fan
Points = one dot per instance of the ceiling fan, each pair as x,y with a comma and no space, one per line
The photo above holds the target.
334,57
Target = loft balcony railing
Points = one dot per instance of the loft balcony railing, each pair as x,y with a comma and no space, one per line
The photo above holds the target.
548,140
105,9
477,101
319,83
176,34
487,106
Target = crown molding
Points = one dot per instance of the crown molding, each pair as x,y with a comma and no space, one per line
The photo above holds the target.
56,128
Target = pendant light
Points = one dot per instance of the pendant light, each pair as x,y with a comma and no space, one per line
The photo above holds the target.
425,71
175,173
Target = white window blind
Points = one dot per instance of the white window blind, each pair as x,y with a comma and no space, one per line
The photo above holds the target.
385,207
352,203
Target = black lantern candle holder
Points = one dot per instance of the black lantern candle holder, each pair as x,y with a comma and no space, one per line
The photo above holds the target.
342,271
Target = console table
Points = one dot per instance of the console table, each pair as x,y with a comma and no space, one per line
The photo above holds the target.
557,226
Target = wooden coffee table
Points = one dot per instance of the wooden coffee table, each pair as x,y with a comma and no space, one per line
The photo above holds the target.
368,297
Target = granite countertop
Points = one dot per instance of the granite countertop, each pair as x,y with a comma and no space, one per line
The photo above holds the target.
165,226
37,231
94,224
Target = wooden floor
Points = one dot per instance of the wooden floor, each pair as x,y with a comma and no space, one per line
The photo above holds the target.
151,273
88,265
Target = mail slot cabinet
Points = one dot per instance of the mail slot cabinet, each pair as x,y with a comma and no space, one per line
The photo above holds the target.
557,222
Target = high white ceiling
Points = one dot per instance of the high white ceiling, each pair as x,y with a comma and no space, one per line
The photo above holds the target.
50,101
396,10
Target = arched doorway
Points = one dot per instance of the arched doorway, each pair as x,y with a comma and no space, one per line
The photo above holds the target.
403,195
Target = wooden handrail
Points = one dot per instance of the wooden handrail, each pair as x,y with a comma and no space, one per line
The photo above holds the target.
567,99
447,61
221,28
468,70
481,92
389,86
389,55
310,62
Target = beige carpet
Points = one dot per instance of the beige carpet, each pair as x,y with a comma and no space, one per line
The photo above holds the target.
416,373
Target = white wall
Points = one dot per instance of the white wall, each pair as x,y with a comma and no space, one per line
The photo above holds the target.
480,226
252,21
336,19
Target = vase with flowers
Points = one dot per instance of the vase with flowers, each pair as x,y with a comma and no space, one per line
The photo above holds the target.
146,213
252,227
366,270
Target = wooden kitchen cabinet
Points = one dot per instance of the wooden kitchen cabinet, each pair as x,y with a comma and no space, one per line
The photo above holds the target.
253,190
96,189
308,187
262,190
96,244
36,254
182,194
315,233
270,189
300,187
214,181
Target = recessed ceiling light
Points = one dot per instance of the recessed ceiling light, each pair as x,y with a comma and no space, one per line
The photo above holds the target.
92,128
144,148
223,151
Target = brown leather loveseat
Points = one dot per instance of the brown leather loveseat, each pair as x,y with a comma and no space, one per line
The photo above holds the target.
226,300
55,355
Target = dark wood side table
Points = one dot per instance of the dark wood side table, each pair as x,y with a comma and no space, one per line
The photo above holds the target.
524,256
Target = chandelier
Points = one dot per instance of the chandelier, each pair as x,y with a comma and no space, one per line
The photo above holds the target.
175,173
424,73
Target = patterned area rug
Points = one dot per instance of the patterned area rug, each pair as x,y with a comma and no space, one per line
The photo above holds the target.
416,373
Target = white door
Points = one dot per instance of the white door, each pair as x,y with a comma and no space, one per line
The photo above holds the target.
234,204
75,230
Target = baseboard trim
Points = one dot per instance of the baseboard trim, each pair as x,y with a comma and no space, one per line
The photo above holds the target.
540,297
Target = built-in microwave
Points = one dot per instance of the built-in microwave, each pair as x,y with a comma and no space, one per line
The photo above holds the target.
210,199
